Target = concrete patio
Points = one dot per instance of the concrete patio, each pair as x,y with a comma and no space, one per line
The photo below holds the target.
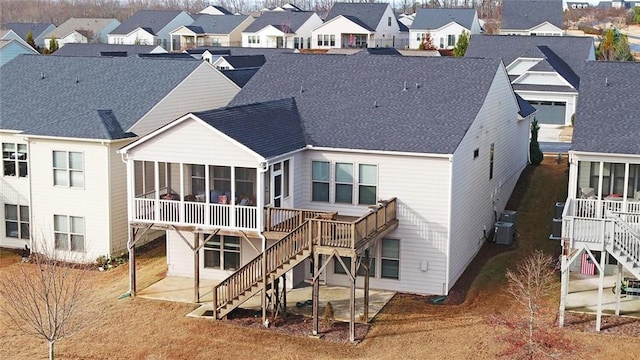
180,289
583,296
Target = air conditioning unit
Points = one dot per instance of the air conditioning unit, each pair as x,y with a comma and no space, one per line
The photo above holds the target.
504,233
556,229
508,216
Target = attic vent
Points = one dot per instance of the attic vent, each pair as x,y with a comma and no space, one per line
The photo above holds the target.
404,88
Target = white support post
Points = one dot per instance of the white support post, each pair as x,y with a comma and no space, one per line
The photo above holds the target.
232,200
207,195
181,214
564,288
618,287
603,255
156,185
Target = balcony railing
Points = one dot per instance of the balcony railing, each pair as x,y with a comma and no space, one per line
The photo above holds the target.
587,220
195,213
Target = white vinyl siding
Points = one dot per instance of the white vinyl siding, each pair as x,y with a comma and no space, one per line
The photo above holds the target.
14,159
204,89
68,168
15,190
474,195
69,233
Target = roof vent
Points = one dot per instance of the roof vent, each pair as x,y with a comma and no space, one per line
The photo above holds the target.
375,104
301,89
405,86
417,85
77,79
41,75
606,81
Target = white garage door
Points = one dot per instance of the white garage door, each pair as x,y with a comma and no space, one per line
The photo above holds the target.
550,112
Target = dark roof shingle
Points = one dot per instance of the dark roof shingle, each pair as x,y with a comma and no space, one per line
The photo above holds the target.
151,20
22,29
286,21
607,111
84,97
279,123
369,14
73,49
526,14
437,18
217,24
359,101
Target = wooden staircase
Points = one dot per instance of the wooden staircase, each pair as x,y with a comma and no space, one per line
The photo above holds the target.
310,230
625,240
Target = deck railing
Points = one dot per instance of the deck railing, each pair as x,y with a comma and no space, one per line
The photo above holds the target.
285,220
195,213
589,221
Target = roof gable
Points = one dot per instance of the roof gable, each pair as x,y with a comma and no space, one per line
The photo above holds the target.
22,29
218,24
354,110
369,14
436,18
80,87
572,51
285,21
526,14
152,21
91,25
608,108
280,130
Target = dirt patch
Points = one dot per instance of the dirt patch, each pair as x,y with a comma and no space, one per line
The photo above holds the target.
618,325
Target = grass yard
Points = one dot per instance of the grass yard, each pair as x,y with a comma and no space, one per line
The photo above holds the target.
408,327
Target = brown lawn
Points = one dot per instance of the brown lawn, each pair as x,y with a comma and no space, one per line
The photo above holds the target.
408,327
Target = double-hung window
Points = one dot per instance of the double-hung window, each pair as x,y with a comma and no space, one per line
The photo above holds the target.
14,159
222,252
344,183
320,181
451,40
68,168
68,233
367,184
390,259
16,220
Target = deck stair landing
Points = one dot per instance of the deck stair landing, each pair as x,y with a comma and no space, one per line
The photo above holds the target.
312,230
625,244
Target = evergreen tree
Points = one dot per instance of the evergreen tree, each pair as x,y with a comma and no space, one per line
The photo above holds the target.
31,42
535,154
462,44
53,45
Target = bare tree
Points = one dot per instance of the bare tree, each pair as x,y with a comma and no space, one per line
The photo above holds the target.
44,298
529,285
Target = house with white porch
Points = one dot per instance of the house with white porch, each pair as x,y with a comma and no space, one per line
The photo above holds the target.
38,31
82,30
149,27
544,70
445,25
359,25
601,218
281,29
532,17
280,183
62,181
210,30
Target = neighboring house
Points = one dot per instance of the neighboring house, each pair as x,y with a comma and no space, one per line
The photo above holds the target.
62,178
227,62
108,50
532,17
444,25
360,25
574,5
9,49
215,10
407,20
82,30
425,188
281,29
544,70
6,34
38,30
602,212
149,27
210,30
213,53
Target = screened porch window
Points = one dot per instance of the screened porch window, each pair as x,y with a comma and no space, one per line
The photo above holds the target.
367,184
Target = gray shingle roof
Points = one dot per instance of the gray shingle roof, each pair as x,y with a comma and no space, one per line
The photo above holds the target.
437,18
218,24
151,20
358,101
240,77
292,20
83,97
369,14
245,61
607,111
93,25
72,49
572,50
525,14
278,121
22,29
525,108
240,51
